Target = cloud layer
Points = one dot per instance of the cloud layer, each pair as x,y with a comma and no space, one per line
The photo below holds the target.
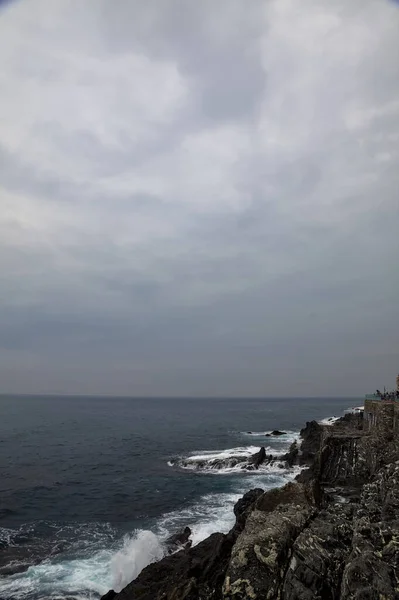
199,198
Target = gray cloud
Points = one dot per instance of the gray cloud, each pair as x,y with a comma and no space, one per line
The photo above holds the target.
199,198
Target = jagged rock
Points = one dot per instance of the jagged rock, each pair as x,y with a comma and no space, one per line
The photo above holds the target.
193,574
179,540
372,568
311,436
109,595
332,535
244,506
318,555
291,456
291,493
186,575
342,461
258,458
260,556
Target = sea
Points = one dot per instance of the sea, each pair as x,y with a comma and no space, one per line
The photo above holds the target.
90,487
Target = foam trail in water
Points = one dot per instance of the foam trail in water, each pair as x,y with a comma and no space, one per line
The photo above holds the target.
329,420
137,552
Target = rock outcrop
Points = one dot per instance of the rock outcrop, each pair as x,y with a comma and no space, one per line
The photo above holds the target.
331,535
245,463
178,541
258,458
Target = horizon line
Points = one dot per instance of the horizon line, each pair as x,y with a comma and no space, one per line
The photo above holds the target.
174,397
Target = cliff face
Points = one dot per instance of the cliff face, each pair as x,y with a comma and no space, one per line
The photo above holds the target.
334,534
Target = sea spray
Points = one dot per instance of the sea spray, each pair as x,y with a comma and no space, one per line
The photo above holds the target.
138,551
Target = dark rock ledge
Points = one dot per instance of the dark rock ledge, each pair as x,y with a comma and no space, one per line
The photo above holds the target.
333,534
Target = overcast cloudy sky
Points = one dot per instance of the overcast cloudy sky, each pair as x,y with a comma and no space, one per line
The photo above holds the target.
199,197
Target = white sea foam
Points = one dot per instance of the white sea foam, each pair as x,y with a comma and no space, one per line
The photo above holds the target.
209,455
138,551
115,565
212,512
329,420
231,460
99,563
73,578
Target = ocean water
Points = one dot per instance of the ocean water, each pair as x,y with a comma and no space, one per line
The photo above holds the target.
90,487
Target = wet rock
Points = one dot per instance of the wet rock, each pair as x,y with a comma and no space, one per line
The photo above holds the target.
109,595
332,535
291,457
179,541
277,432
258,458
186,575
193,574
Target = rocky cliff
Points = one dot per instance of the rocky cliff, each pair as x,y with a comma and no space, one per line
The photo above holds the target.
333,534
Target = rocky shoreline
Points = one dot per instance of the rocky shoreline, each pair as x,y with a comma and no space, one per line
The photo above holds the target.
331,534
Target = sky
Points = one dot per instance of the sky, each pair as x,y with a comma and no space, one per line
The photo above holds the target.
199,198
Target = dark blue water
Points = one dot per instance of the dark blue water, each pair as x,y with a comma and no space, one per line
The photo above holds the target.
86,492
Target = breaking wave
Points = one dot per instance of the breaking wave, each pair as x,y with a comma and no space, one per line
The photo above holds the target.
85,561
227,461
138,551
90,569
329,420
235,460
